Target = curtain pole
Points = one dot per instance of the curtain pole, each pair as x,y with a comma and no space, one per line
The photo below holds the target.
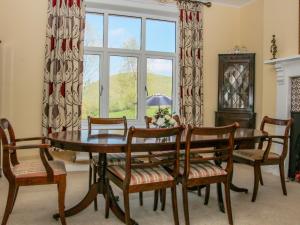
208,4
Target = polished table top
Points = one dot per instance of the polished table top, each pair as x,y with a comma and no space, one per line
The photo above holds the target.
114,140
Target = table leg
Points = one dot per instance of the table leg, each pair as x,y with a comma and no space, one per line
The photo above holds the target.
236,188
100,187
83,204
115,208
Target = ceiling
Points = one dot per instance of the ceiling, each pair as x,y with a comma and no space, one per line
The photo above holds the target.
232,2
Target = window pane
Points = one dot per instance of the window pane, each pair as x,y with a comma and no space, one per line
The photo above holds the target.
124,32
90,94
93,30
159,82
123,87
160,35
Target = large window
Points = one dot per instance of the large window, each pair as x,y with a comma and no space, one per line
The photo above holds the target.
128,59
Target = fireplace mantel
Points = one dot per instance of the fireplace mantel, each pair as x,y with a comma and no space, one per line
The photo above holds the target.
286,69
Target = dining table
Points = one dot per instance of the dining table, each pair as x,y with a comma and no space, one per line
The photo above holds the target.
104,141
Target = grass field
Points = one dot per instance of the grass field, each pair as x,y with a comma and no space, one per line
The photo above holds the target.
123,95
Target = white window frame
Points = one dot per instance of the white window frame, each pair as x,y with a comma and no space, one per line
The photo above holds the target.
142,55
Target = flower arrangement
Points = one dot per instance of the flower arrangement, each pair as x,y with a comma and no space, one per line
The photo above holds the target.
163,118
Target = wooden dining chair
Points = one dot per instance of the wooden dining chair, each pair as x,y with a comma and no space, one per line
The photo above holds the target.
162,193
200,170
146,175
48,171
264,156
112,158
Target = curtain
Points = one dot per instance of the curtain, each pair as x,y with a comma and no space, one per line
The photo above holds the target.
191,63
63,72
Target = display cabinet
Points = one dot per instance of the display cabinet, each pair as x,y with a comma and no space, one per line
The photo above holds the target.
236,90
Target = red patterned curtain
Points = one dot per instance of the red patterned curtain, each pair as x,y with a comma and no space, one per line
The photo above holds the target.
191,63
63,73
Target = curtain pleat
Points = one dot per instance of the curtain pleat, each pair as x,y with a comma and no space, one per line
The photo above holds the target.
191,63
63,73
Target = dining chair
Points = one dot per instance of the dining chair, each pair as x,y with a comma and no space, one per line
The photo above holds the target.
148,175
112,158
162,193
263,156
48,171
199,169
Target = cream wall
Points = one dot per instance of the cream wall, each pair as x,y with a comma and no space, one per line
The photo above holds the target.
281,19
259,21
251,30
22,32
221,34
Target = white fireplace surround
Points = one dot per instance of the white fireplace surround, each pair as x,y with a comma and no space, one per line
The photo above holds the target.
286,69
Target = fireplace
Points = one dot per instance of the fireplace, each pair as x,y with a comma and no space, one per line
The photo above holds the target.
294,160
288,105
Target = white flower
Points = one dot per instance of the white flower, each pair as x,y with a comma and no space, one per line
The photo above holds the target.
172,121
160,121
167,117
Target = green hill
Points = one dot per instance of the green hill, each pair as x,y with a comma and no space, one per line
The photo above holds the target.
123,94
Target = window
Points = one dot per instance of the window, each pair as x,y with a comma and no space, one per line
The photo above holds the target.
127,60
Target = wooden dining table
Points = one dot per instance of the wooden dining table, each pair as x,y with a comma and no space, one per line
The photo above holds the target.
114,141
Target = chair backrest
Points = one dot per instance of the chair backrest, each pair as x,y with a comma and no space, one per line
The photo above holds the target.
212,151
8,137
284,138
107,121
148,120
170,156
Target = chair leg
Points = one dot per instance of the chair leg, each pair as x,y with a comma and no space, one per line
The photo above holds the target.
199,191
207,193
155,200
9,203
163,199
61,199
141,198
185,204
126,208
15,197
107,200
95,180
228,202
174,204
260,177
256,180
282,178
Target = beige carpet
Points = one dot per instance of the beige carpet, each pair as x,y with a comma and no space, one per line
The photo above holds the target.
35,205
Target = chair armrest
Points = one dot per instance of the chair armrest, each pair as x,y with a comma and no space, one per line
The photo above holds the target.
30,139
43,150
19,147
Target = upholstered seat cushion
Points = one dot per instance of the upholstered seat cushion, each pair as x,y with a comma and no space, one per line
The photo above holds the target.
254,154
37,169
142,175
205,169
112,159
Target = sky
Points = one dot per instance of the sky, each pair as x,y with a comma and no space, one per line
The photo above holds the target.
125,32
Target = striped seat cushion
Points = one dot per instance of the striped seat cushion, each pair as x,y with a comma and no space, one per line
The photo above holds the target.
205,169
254,154
142,175
37,169
112,159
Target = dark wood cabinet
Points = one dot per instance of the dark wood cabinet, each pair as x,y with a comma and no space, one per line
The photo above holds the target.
236,90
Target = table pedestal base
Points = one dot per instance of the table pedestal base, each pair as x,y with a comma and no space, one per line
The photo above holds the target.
100,187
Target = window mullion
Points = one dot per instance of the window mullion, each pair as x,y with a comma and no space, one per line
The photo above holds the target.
105,93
